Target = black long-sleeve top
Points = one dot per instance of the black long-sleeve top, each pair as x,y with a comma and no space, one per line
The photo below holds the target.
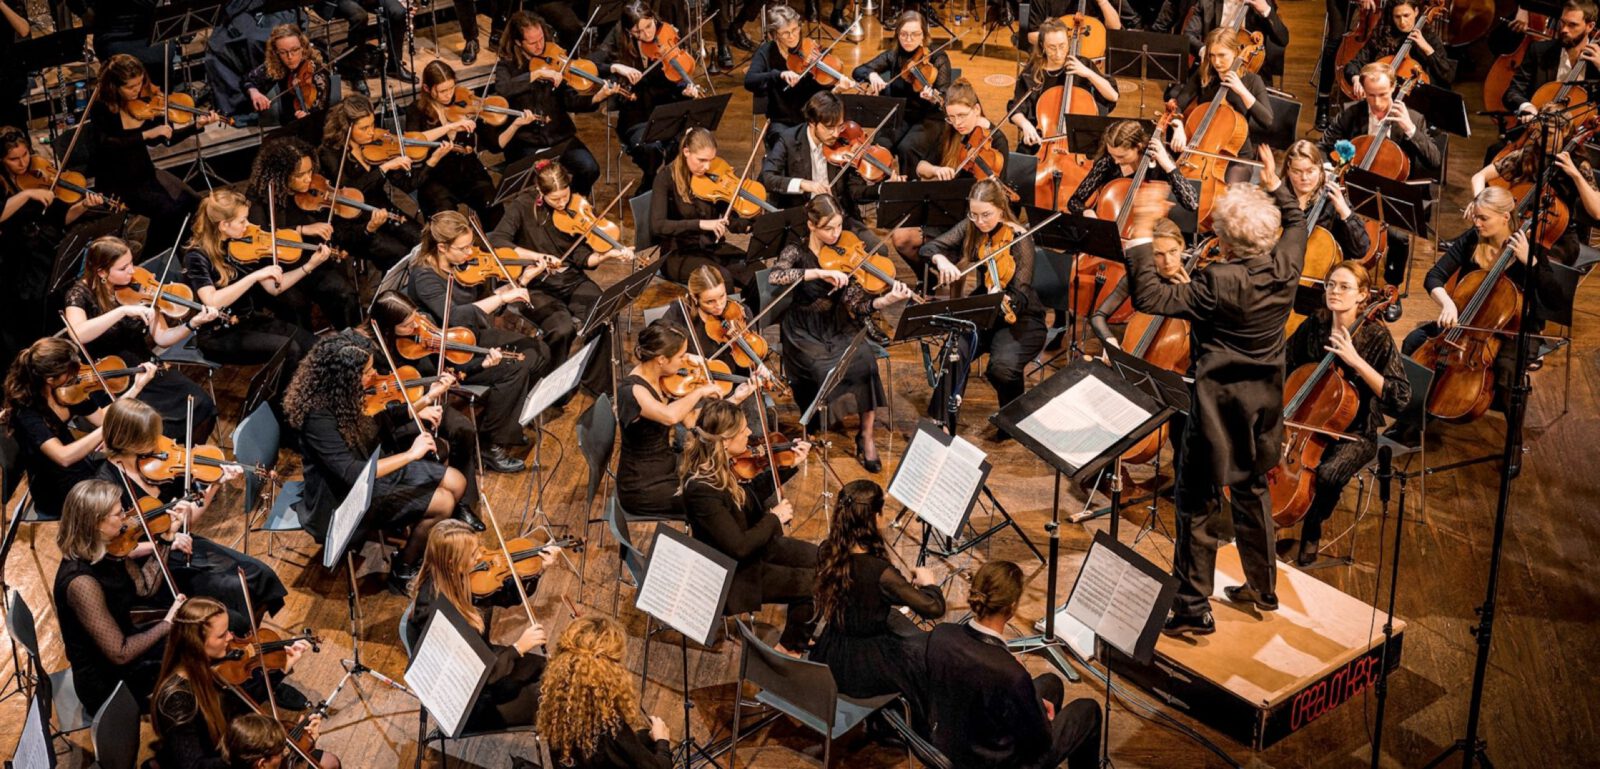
97,630
675,220
1419,147
1208,16
1027,91
652,90
790,268
119,159
765,78
509,673
454,165
428,290
742,532
1105,169
271,87
864,612
529,225
1456,260
1258,117
888,66
1040,10
542,98
983,709
1440,68
625,749
1024,300
1374,343
331,466
370,180
1540,65
931,149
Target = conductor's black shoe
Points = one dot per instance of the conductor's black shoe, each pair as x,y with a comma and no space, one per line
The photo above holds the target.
1308,552
1191,624
872,465
738,39
1391,313
469,52
1246,594
290,698
497,460
494,39
465,515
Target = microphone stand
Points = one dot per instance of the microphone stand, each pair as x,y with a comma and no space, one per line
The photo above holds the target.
1386,476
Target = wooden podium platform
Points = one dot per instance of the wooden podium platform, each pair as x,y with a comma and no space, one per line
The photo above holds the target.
1262,677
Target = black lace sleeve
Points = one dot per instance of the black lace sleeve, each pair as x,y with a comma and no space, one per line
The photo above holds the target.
184,740
926,601
89,603
784,270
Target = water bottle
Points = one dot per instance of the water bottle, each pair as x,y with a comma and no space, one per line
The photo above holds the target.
80,100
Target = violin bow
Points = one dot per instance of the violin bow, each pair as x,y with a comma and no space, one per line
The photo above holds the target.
398,382
188,461
161,563
566,62
674,49
748,164
989,257
166,268
166,84
272,225
84,351
705,366
597,218
449,296
256,709
255,632
338,178
766,440
516,579
865,143
488,248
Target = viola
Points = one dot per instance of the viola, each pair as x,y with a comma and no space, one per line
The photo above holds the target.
304,84
178,108
157,520
490,573
667,50
385,146
773,450
264,650
730,328
579,220
380,390
177,299
347,202
482,265
1319,405
116,375
284,246
853,148
686,380
297,732
494,110
69,187
459,342
809,58
875,272
977,155
721,185
1402,65
169,458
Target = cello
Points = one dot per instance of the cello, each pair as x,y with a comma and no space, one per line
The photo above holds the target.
1319,406
1401,65
1111,202
1216,135
1164,342
1504,68
1061,169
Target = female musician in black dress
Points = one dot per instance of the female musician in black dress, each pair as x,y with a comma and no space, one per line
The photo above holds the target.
869,645
460,177
769,75
324,403
1366,359
531,82
588,709
511,695
131,434
734,518
693,232
620,55
647,470
1309,180
1010,344
885,75
190,710
381,237
95,593
283,169
133,331
1246,91
820,323
1049,67
119,154
529,227
220,281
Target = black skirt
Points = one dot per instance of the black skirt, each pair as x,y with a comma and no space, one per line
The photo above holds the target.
813,344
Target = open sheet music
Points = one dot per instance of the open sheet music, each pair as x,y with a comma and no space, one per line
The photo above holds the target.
685,585
1084,420
347,516
448,669
33,745
556,384
1120,595
939,481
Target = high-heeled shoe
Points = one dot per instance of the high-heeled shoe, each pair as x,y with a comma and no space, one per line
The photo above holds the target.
871,465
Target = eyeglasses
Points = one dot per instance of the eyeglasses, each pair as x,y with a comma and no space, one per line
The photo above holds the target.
973,216
295,51
1344,288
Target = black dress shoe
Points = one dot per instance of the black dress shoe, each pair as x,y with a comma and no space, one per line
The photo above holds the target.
400,576
1392,313
872,465
494,39
837,19
1308,552
398,71
1323,118
469,52
290,698
724,57
738,39
495,459
465,515
1246,594
1191,624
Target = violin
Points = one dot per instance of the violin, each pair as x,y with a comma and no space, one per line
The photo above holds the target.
999,266
177,299
1401,65
297,733
169,459
156,520
385,146
875,272
581,75
382,389
748,347
809,58
283,246
460,344
667,49
69,187
922,73
264,650
494,110
116,375
481,265
304,85
347,202
490,573
854,148
579,220
977,155
686,380
1318,408
178,107
774,450
721,185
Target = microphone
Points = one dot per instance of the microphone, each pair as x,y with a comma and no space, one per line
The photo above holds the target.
950,323
1385,473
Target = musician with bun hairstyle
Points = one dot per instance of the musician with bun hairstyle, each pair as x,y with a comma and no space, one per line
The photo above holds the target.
983,707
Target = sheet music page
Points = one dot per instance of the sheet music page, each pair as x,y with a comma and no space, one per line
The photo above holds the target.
556,384
1083,421
348,514
444,674
1114,598
918,467
33,750
681,589
945,504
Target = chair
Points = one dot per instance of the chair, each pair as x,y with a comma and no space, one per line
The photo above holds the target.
643,237
69,711
803,690
256,444
628,555
396,278
925,752
1285,118
11,475
766,293
1052,280
115,731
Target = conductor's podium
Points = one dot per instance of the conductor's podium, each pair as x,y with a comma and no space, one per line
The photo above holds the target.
1263,676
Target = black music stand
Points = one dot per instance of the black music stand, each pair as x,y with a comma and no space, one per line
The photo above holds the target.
924,203
182,19
669,121
617,296
1077,235
267,383
955,320
1149,56
770,232
1084,131
868,111
57,50
1407,205
1167,387
69,254
1444,109
517,176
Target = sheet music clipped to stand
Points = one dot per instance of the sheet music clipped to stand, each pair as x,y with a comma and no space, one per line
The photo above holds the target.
448,669
685,584
1084,420
939,478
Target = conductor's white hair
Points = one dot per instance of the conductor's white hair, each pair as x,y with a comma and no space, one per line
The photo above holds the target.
1246,221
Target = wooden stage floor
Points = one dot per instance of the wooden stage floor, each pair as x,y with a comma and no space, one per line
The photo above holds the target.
1539,708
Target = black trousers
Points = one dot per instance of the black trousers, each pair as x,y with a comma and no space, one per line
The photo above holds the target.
360,30
508,383
165,201
788,576
472,187
1075,731
1010,348
1194,555
253,340
737,272
330,289
1338,24
648,156
388,245
1339,464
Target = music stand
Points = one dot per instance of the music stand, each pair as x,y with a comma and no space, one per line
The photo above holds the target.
1407,205
930,318
669,121
438,662
868,111
550,389
924,203
1084,131
182,19
1149,55
55,50
603,313
517,177
267,382
1077,235
770,232
33,749
1169,388
1444,109
820,404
